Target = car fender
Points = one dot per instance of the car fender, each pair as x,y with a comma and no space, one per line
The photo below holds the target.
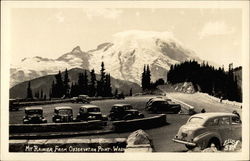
205,137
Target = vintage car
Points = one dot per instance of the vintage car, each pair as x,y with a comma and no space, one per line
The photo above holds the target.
159,104
204,129
63,114
13,104
124,112
34,115
80,98
90,112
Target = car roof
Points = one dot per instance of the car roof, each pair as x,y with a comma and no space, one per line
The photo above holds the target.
158,99
89,106
63,108
122,104
33,108
213,114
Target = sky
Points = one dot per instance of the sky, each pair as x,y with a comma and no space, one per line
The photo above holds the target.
214,34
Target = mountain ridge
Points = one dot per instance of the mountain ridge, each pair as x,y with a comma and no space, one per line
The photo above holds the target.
124,57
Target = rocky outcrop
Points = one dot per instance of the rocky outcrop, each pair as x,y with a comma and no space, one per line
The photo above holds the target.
139,141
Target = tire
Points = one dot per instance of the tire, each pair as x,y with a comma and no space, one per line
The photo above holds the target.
214,141
141,116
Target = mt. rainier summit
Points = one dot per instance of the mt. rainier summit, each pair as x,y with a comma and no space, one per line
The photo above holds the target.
124,57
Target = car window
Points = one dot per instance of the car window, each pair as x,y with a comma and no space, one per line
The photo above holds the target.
128,107
224,121
65,112
93,110
213,122
196,120
236,120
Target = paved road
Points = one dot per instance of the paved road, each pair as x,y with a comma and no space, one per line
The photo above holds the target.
161,136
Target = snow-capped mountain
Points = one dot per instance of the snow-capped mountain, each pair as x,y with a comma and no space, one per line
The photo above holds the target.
124,57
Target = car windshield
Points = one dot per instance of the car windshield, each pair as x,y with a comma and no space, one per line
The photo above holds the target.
93,110
65,112
32,112
127,107
195,120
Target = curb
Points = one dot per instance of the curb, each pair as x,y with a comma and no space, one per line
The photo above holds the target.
57,135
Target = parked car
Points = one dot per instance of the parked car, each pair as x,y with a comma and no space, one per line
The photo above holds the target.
159,104
204,129
90,112
34,115
124,112
80,98
13,104
63,114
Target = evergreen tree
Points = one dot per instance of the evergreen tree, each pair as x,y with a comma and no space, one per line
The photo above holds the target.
29,92
107,87
41,94
92,85
85,83
130,92
66,84
59,87
143,79
116,92
206,78
102,80
81,89
148,78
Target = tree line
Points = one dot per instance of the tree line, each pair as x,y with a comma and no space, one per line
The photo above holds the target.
207,79
86,85
146,82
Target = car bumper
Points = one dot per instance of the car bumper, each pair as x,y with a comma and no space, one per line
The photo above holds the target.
184,142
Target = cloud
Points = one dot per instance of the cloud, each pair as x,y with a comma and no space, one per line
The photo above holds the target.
108,13
215,28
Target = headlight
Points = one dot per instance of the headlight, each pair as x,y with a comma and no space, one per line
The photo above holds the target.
57,119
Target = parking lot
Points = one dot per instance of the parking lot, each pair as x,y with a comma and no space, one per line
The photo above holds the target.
162,136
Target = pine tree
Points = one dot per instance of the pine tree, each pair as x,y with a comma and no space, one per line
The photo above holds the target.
41,94
85,83
92,85
131,92
66,87
116,92
80,84
148,78
102,80
107,87
29,92
59,87
143,78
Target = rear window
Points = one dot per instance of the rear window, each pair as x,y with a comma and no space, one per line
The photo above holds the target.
196,120
93,110
65,112
31,112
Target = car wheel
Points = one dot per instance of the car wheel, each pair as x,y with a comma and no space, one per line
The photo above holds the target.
190,147
214,141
